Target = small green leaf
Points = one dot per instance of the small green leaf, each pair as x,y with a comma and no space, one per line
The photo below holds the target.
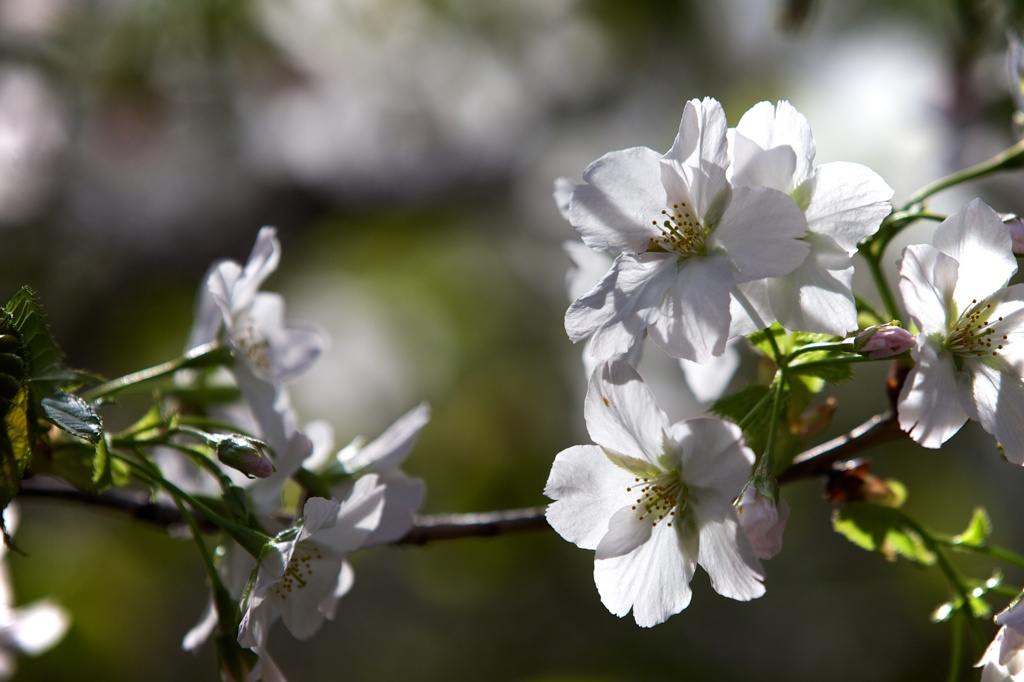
74,415
881,529
16,437
751,407
978,530
46,371
102,471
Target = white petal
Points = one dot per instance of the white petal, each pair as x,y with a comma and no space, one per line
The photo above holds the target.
724,550
711,455
927,408
654,580
848,202
999,398
818,295
927,280
772,127
403,497
750,308
757,167
201,631
563,195
699,155
626,532
693,320
37,627
587,269
978,240
302,605
587,489
622,414
708,381
761,233
621,194
357,517
620,307
390,449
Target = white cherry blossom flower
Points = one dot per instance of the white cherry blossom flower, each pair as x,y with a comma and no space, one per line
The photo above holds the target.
969,356
30,629
403,495
654,500
684,238
1004,659
251,322
772,146
303,573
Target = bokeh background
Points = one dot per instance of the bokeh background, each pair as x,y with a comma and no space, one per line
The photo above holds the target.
406,152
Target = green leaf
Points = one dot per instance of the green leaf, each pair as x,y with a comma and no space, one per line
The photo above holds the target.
978,530
882,529
46,371
822,366
102,471
74,415
16,437
752,407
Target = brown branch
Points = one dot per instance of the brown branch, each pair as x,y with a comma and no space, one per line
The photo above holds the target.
817,461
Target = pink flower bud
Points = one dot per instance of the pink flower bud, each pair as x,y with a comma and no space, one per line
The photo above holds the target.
1016,227
763,521
883,341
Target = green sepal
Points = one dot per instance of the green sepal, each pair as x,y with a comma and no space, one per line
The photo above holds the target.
74,415
978,530
885,530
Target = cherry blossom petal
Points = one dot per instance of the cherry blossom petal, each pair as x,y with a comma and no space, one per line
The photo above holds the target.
588,489
847,202
761,232
711,455
977,239
622,414
817,296
724,550
927,280
999,399
927,408
621,194
653,580
622,304
700,155
693,320
781,127
626,532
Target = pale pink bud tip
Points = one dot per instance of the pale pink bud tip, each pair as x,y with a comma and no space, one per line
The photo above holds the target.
883,341
1016,227
763,521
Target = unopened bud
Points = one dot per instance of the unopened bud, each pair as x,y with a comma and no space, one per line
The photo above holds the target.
883,341
245,454
763,521
1015,224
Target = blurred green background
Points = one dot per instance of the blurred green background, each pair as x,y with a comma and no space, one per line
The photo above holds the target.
406,152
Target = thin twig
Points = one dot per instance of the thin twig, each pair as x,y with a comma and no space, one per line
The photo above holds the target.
816,461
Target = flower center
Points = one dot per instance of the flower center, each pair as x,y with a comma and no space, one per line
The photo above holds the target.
974,333
299,571
681,232
254,347
659,498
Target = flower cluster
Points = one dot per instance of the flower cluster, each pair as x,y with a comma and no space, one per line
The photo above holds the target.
299,572
728,232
